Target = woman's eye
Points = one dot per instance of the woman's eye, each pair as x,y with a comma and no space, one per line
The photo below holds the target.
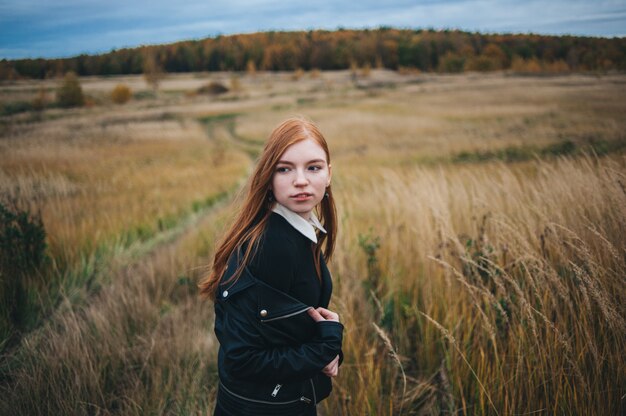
282,169
315,167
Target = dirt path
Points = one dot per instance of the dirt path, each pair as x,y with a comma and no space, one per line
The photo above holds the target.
220,128
140,320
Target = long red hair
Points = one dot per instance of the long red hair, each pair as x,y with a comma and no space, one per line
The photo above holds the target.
252,217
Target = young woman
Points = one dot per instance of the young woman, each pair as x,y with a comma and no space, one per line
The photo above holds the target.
279,345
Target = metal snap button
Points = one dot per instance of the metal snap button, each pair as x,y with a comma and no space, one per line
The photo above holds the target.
225,293
263,313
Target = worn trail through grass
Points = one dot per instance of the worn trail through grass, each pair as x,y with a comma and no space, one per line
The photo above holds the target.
126,333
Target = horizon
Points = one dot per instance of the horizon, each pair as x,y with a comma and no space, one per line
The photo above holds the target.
34,29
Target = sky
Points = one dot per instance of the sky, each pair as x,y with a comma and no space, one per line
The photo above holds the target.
63,28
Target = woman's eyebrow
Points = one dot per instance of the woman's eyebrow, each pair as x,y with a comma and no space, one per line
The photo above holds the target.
286,162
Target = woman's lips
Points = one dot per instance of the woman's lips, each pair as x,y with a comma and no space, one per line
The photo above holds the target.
303,196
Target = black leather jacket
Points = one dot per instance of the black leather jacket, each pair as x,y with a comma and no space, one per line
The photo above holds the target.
271,351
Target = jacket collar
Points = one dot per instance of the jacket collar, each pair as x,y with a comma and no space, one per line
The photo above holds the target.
307,228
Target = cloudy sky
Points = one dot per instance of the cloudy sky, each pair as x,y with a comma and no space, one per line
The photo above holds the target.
59,28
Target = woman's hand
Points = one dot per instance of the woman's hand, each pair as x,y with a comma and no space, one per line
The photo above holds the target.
332,369
322,314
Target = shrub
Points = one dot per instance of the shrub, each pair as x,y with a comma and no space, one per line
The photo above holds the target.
70,93
22,239
213,88
15,107
297,74
366,71
41,100
315,73
22,250
354,67
121,94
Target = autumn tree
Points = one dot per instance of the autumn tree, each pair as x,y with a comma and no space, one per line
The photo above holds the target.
451,62
70,94
152,70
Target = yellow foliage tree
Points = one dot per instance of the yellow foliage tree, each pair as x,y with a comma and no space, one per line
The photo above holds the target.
152,71
496,54
526,66
121,94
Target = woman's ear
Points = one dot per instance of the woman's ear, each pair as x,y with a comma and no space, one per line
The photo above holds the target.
330,174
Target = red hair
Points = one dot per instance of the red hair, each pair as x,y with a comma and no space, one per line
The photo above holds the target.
252,218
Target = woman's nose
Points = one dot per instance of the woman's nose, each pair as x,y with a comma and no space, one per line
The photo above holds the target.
300,178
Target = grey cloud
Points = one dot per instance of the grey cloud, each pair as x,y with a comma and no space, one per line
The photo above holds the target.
74,26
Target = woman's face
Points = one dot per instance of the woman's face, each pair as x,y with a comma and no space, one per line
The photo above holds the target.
301,177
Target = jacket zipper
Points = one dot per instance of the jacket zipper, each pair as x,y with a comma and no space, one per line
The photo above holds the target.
275,392
301,399
286,316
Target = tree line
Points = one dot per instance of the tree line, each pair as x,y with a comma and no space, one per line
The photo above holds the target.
424,50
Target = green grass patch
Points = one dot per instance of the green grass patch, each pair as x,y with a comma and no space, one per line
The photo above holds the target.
213,118
306,100
209,201
599,147
145,95
15,107
228,121
281,107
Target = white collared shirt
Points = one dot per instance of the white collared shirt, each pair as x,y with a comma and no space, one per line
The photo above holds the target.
307,228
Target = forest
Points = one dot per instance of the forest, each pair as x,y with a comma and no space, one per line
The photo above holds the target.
425,50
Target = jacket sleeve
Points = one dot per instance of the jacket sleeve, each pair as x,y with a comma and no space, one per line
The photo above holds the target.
246,358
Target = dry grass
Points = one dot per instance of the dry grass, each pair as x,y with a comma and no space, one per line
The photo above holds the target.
481,288
141,345
96,184
515,281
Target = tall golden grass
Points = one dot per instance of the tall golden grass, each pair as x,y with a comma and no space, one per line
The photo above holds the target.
477,288
528,317
115,181
141,345
498,290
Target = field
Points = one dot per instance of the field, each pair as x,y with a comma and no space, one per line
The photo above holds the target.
480,265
